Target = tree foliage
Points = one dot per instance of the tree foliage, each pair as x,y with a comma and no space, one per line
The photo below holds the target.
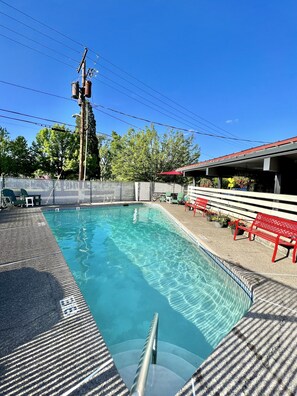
135,156
91,144
143,155
4,151
93,160
22,159
56,151
105,159
16,158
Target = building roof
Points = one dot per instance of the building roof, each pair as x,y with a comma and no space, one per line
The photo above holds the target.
251,158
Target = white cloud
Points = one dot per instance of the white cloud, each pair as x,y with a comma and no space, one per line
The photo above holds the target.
234,121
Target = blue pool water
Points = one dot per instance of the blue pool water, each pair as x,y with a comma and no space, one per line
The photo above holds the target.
132,261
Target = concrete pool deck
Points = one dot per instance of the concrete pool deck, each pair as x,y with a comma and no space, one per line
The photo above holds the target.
259,355
43,352
46,349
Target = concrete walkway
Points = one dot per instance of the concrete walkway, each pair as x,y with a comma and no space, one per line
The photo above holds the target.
49,348
253,256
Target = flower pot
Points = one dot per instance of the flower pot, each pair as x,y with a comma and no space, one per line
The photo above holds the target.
238,232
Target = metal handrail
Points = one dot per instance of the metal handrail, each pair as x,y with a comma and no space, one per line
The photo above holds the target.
149,350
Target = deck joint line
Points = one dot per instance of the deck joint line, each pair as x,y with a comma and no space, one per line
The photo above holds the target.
88,378
277,305
29,258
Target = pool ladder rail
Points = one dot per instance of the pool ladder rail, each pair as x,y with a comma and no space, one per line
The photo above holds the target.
149,352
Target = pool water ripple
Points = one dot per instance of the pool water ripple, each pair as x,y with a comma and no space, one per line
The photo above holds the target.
133,261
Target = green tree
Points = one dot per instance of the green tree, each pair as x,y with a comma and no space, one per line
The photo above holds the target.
93,159
134,155
178,150
15,156
56,151
142,155
22,163
5,159
92,144
105,158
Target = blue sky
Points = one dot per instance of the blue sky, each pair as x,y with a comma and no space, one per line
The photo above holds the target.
228,67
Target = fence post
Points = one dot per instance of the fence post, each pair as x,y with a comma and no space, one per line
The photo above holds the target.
2,186
152,190
91,196
54,200
121,187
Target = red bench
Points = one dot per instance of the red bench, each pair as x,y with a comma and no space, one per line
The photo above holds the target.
274,229
199,204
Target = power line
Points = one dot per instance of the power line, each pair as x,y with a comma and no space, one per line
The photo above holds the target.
179,128
206,134
140,118
154,108
37,42
37,118
28,121
214,127
36,50
60,97
117,118
41,23
40,124
159,93
36,90
139,101
38,31
123,71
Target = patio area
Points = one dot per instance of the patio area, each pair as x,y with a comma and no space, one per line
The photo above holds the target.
253,256
46,350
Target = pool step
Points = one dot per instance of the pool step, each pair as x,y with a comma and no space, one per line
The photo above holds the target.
161,380
163,346
175,365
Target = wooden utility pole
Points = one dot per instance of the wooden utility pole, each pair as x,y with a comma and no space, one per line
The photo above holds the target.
81,93
82,104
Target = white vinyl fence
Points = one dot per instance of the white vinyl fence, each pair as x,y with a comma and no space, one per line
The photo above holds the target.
59,192
56,192
144,191
246,204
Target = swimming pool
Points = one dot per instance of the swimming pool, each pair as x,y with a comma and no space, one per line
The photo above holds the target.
132,261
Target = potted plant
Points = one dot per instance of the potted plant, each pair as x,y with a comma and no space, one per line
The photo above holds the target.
232,226
220,220
224,221
217,223
210,216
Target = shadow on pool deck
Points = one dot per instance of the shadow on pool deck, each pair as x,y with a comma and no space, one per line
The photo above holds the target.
43,352
30,306
258,357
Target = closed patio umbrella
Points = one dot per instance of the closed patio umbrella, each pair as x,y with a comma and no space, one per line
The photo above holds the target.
172,173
